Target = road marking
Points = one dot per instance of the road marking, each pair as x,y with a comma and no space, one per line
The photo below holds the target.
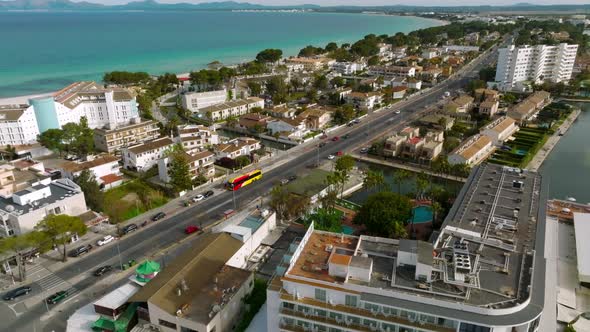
218,205
50,282
13,310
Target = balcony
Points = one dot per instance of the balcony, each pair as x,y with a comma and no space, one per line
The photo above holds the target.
364,313
325,320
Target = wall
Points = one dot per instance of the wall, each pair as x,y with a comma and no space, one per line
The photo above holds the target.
45,113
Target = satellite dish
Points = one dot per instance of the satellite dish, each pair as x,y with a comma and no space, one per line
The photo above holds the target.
9,208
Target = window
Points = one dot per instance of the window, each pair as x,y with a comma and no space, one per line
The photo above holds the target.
320,294
351,300
186,329
166,324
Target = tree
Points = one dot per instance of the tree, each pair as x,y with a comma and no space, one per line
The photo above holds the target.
242,161
179,169
344,114
52,139
309,50
373,179
421,184
436,210
331,47
384,214
373,61
475,84
60,228
10,152
20,246
399,177
125,77
286,205
487,74
269,55
278,90
320,82
328,201
93,196
255,88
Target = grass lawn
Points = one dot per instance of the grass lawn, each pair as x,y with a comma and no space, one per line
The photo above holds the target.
132,199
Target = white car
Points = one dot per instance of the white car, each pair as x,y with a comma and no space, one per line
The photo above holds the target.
330,157
198,198
105,240
397,112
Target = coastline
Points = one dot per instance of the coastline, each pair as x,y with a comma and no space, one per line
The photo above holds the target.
23,99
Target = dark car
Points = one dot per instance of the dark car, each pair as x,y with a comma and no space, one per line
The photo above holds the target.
102,270
17,292
208,193
129,228
335,138
57,297
158,216
350,124
346,136
292,177
80,251
321,145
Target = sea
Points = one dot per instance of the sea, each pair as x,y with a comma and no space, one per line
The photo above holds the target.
44,51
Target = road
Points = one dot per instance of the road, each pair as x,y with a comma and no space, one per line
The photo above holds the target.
167,232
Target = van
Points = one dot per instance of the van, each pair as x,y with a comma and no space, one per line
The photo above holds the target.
105,240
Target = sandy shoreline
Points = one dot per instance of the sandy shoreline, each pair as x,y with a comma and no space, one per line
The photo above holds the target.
23,99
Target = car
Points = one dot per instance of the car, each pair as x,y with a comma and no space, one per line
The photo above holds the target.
129,228
198,198
339,153
103,270
57,297
81,251
364,150
292,177
105,240
190,229
324,136
350,124
335,138
346,136
357,121
397,112
208,193
284,181
159,216
17,292
322,144
330,157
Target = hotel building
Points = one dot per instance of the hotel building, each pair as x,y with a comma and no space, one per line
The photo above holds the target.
18,125
484,271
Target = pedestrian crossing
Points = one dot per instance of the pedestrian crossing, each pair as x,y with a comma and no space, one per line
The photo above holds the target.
49,282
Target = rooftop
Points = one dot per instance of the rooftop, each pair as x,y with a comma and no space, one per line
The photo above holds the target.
74,167
501,124
472,146
229,104
151,145
142,123
310,184
582,226
78,92
12,112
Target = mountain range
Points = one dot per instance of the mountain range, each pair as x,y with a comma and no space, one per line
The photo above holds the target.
67,5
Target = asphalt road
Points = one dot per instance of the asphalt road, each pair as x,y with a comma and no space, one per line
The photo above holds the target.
166,232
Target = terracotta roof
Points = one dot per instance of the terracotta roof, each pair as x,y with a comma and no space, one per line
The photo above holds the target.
74,167
151,145
472,147
463,100
201,155
502,125
340,259
230,104
399,88
110,178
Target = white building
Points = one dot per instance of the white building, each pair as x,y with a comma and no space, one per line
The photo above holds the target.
230,109
241,146
200,163
473,151
348,68
500,129
23,210
291,128
18,125
138,131
106,170
195,138
102,107
143,156
389,71
430,53
364,101
194,101
535,64
336,282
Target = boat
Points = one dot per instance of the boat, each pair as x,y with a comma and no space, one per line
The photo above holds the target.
571,199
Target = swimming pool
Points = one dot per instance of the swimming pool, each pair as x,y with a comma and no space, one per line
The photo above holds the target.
422,214
347,230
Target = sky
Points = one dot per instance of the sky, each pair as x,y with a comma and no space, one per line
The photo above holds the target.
368,2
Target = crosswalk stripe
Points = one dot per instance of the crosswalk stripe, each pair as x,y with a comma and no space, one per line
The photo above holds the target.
50,281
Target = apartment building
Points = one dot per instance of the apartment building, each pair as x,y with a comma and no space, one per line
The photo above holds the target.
196,138
23,210
483,272
528,108
230,109
113,140
310,64
200,164
241,146
408,144
105,168
500,129
194,101
18,125
348,68
489,107
364,100
472,151
144,156
535,64
110,107
389,71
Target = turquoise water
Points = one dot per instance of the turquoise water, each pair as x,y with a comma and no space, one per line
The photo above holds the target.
44,51
422,214
347,229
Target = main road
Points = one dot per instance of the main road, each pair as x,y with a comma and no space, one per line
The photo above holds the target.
166,233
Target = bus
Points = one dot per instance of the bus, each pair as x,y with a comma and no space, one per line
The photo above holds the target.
243,180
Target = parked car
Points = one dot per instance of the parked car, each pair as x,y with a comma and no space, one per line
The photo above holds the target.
364,150
397,112
339,153
80,251
357,121
284,181
198,198
292,177
190,229
335,138
103,270
105,240
350,124
330,157
158,216
208,194
322,144
57,297
129,228
17,292
346,136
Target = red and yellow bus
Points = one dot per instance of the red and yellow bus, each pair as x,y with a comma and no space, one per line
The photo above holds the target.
243,180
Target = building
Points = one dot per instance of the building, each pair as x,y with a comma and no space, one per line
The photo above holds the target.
195,101
483,272
105,168
535,64
348,68
113,140
144,156
500,130
294,128
460,106
472,38
20,174
489,107
316,118
312,186
230,109
110,107
430,53
24,209
310,64
241,146
282,111
18,125
460,48
255,122
472,151
408,144
389,71
437,121
364,100
200,164
482,94
393,146
414,83
528,108
196,138
399,92
199,290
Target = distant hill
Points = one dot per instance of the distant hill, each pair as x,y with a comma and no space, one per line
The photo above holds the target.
152,5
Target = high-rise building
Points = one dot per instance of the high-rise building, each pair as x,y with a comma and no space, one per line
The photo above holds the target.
484,270
535,64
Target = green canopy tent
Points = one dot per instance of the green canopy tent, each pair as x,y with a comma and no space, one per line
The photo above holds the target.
147,270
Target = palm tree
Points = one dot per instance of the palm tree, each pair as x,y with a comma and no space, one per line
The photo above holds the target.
399,177
421,184
436,209
373,179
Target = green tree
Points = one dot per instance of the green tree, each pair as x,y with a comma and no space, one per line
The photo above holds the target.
373,179
60,228
255,88
320,82
309,51
242,161
384,214
125,77
475,84
278,90
373,61
52,139
19,246
399,177
179,169
436,210
92,194
269,55
10,152
331,47
344,114
286,205
487,74
422,183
